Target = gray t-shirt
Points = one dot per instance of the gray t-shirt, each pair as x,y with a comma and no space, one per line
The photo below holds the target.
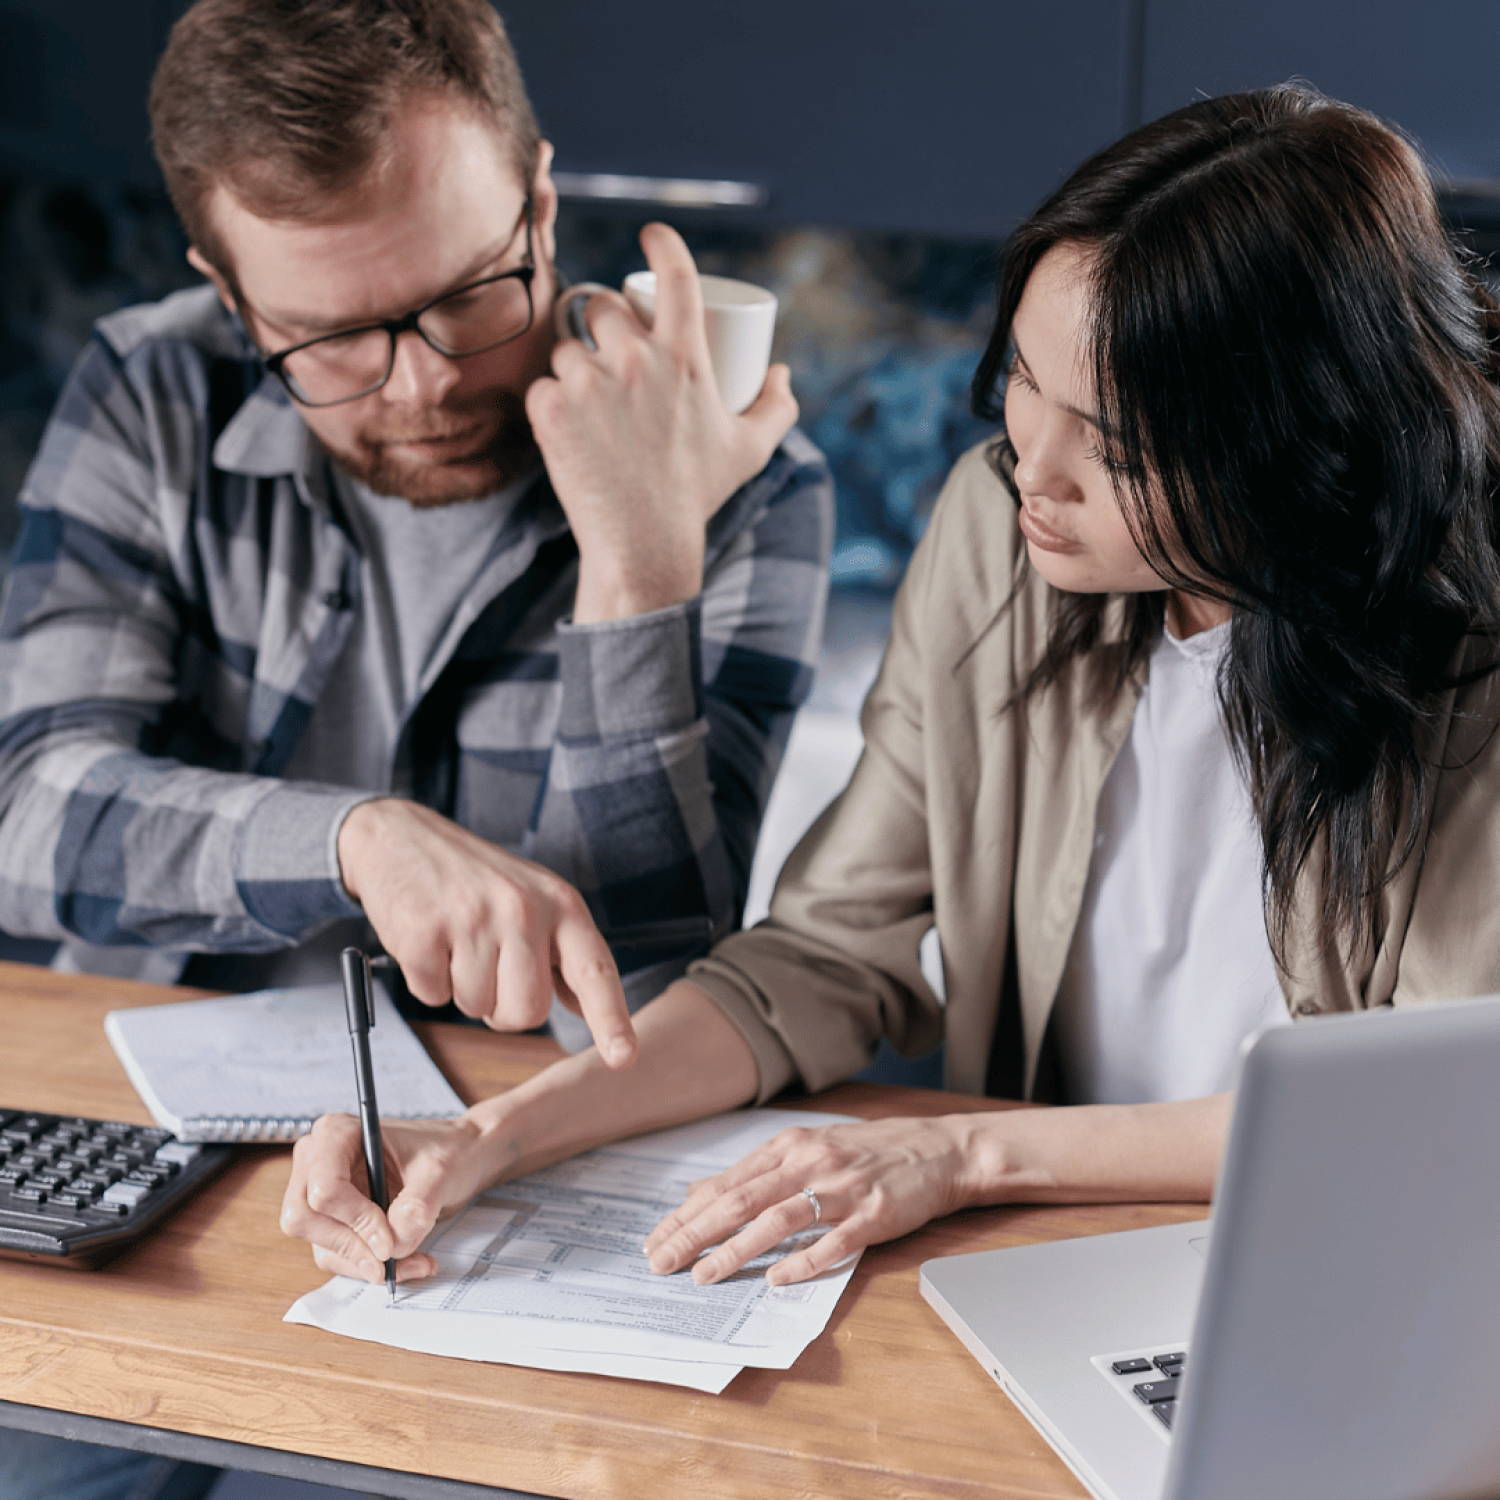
417,565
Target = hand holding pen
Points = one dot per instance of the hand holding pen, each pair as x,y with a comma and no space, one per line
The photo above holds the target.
435,1165
359,1003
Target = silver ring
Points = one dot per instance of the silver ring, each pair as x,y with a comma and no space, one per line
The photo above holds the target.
817,1207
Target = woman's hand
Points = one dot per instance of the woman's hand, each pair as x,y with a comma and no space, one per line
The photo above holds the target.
873,1180
693,1062
878,1179
432,1166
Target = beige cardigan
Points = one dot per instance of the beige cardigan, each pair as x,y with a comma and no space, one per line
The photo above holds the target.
981,821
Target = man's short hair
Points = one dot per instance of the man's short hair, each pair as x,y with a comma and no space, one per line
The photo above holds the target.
288,103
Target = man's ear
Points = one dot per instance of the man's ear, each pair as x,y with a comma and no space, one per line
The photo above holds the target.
544,205
200,264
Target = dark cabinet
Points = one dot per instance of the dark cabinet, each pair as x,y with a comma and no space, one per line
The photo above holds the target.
952,117
956,116
1429,66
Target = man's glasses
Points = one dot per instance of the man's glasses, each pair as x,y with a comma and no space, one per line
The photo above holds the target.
353,362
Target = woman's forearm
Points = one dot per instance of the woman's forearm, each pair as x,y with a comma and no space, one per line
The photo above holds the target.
872,1179
691,1062
1096,1153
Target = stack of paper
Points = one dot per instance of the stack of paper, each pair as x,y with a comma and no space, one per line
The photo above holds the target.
547,1271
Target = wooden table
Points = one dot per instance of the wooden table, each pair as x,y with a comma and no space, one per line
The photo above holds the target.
180,1342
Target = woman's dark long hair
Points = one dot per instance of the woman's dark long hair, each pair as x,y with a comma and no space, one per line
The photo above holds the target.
1299,378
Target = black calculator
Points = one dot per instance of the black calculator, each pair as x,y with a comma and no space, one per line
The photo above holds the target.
75,1191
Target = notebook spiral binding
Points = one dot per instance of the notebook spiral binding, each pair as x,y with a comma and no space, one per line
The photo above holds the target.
243,1128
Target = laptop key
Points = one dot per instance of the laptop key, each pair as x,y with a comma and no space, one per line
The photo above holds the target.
1169,1364
1165,1412
1131,1366
1152,1391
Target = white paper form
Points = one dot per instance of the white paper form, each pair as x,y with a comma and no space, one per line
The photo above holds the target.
547,1271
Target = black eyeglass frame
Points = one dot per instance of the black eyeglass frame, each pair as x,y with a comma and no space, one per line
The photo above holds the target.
393,328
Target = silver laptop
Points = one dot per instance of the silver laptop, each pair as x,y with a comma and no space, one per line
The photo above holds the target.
1333,1332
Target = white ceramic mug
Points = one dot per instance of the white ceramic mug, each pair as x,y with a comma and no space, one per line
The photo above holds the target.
739,320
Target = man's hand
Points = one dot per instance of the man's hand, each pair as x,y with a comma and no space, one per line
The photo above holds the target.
639,447
465,919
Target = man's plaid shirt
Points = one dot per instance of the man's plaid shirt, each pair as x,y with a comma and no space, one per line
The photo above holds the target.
182,587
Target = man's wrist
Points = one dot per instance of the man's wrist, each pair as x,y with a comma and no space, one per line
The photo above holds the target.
351,840
286,864
612,595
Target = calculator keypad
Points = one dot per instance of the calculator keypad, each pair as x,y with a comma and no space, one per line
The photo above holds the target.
73,1189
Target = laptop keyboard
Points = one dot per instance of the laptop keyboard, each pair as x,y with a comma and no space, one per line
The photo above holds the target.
1150,1380
74,1191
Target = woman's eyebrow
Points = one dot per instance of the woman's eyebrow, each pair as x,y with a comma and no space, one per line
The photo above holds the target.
1094,420
1091,417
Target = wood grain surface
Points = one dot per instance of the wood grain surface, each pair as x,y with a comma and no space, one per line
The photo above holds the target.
185,1333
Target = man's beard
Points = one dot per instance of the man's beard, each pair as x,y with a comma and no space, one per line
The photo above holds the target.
509,452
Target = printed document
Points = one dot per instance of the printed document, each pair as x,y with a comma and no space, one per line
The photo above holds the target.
547,1271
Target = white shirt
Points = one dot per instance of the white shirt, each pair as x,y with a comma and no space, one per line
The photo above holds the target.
1170,967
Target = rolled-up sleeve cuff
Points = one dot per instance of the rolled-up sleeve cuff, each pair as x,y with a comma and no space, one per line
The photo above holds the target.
746,1012
634,678
287,868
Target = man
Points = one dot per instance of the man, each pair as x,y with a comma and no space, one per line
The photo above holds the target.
347,594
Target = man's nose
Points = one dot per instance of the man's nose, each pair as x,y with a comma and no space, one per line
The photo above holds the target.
420,376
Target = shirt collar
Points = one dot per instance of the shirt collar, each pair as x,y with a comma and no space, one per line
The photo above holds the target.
267,438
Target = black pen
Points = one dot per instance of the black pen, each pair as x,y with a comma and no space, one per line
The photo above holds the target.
360,1006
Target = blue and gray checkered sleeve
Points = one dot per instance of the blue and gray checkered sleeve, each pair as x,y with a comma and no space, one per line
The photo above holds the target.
673,725
105,834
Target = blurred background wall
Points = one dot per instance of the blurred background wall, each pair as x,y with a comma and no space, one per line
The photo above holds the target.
864,161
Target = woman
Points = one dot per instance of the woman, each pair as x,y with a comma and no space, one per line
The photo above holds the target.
1186,725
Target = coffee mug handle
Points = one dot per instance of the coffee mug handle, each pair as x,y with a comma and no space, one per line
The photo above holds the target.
569,309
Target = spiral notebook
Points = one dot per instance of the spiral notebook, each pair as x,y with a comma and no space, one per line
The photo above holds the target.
264,1066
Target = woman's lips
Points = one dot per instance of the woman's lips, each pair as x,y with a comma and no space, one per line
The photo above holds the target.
1039,534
